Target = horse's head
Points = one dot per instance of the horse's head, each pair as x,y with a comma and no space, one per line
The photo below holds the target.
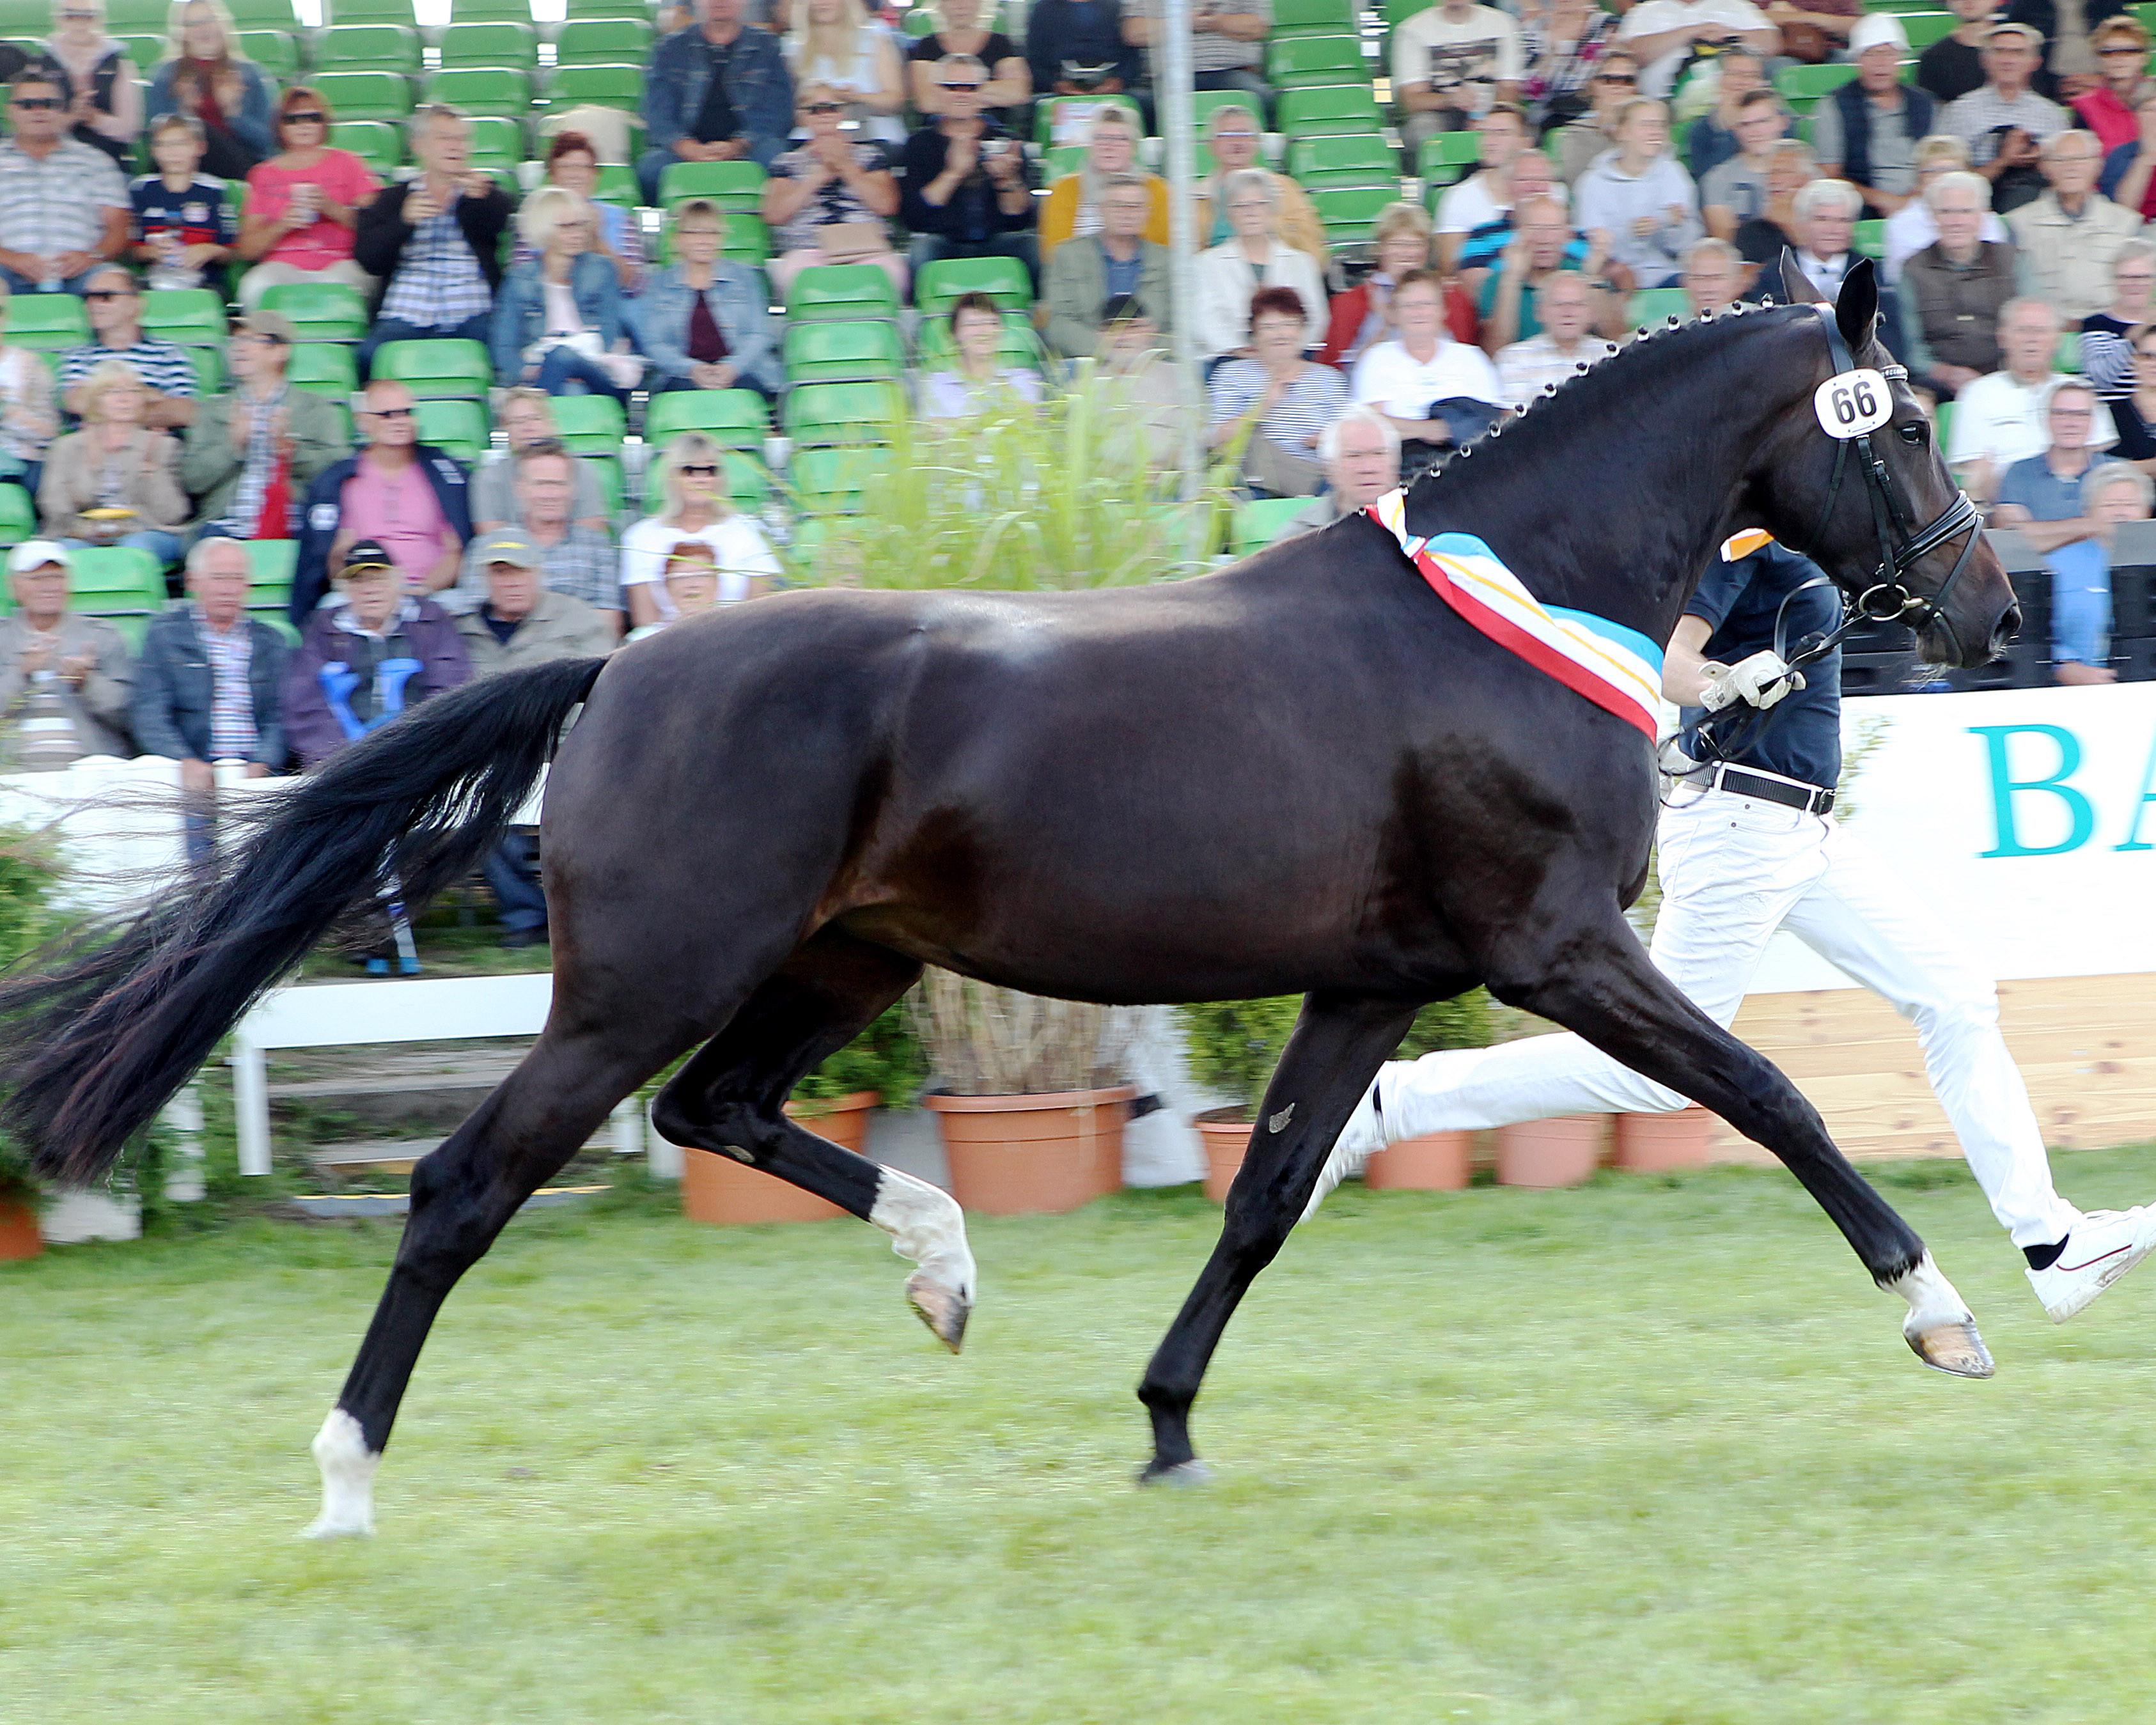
1855,481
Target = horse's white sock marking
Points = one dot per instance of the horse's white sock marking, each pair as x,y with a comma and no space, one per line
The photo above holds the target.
1932,1301
927,1226
347,1466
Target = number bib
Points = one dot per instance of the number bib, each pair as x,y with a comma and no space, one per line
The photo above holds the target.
1850,403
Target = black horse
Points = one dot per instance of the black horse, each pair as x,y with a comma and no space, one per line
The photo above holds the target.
1305,774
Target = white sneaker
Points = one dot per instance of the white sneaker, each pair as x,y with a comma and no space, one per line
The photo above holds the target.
2103,1246
1362,1137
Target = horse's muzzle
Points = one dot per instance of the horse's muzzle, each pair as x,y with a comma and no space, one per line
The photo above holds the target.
2004,631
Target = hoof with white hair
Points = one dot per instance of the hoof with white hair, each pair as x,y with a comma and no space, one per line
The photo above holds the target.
927,1226
347,1466
1940,1329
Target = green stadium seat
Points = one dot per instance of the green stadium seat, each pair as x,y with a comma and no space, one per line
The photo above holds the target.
459,427
1654,305
612,486
1348,211
122,17
369,47
264,15
1444,158
1315,161
918,20
365,95
109,579
842,290
1942,425
942,282
1870,239
1328,108
490,45
1298,62
1806,85
18,514
747,241
1063,159
441,368
193,317
1313,18
602,41
481,88
324,368
208,364
50,322
617,184
748,481
277,52
611,85
733,186
320,311
1923,28
831,481
377,142
843,353
369,12
1259,523
2066,356
1398,11
490,12
497,141
269,565
1048,115
843,413
737,418
590,424
146,52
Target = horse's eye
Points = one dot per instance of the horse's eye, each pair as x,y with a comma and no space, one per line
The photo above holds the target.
1913,433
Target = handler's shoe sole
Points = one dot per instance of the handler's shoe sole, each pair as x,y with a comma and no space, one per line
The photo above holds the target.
2103,1246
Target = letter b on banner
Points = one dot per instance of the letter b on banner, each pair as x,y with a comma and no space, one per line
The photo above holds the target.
2005,787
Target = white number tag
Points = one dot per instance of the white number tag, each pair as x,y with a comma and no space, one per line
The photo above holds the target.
1853,403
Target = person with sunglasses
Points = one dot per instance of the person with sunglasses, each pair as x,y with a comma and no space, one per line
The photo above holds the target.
1614,81
113,301
63,207
716,91
829,197
2122,64
97,80
303,205
968,187
692,480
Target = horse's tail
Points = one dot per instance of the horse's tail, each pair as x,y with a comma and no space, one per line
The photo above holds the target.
95,1037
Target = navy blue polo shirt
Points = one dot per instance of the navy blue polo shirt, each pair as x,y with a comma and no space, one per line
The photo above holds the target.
1800,736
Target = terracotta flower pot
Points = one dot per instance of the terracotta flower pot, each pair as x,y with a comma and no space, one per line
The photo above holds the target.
1011,1156
1551,1152
716,1188
18,1229
1226,1136
1435,1162
1649,1143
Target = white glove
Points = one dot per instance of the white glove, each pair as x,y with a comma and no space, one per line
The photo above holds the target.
1761,679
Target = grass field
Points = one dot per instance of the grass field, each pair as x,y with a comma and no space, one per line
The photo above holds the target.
1649,1451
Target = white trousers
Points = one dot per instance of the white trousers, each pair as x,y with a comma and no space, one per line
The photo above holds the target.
1733,870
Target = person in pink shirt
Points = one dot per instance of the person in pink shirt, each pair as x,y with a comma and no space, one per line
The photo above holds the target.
2121,58
390,500
303,204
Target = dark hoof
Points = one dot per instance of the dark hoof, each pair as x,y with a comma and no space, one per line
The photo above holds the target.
1175,1473
942,1309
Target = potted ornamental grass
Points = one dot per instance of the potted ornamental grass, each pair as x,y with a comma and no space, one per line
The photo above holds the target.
20,1196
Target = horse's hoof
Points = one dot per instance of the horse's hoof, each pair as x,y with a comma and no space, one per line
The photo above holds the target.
322,1528
1175,1473
943,1310
1954,1348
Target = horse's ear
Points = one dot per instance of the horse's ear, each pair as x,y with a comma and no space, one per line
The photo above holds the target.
1797,288
1856,309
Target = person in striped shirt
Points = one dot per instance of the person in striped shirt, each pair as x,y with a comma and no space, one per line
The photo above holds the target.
114,299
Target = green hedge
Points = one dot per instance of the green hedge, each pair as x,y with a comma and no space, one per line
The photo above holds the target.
1234,1044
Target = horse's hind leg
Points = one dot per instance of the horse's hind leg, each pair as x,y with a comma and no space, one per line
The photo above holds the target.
1339,1044
729,1099
1608,991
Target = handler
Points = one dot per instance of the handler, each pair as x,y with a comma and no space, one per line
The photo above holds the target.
1747,844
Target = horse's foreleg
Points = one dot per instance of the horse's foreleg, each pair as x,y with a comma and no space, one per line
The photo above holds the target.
1608,991
729,1099
1339,1044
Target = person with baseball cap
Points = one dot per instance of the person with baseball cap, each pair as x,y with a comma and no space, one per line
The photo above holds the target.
2005,123
251,454
1866,132
65,679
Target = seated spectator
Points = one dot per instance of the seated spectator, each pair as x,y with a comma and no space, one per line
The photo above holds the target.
1639,195
1009,85
1362,455
116,481
572,163
2066,239
1256,257
1953,291
2125,180
2106,352
519,622
691,483
2122,61
183,226
1108,265
573,559
1664,35
2133,413
1072,208
1076,48
1615,82
1151,401
557,321
1824,225
1911,227
1363,314
1816,31
1761,241
210,81
65,679
409,497
976,380
703,321
209,682
835,47
1714,276
303,205
2069,67
1712,139
1543,248
1277,399
692,581
1437,392
1227,43
435,240
1486,195
1735,191
1560,47
1232,135
367,658
1529,179
829,197
253,454
97,79
1953,66
716,92
114,305
1449,62
63,207
2005,122
28,421
1866,132
525,416
2000,420
1569,307
967,190
2049,500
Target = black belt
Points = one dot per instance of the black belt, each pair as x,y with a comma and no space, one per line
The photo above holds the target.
1811,799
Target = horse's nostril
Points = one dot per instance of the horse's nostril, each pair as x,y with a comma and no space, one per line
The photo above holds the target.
2008,627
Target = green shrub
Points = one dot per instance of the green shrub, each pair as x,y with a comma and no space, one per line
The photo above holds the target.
1233,1046
885,1058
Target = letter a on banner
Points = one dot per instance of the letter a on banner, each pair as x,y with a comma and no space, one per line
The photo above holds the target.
2133,839
2005,787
